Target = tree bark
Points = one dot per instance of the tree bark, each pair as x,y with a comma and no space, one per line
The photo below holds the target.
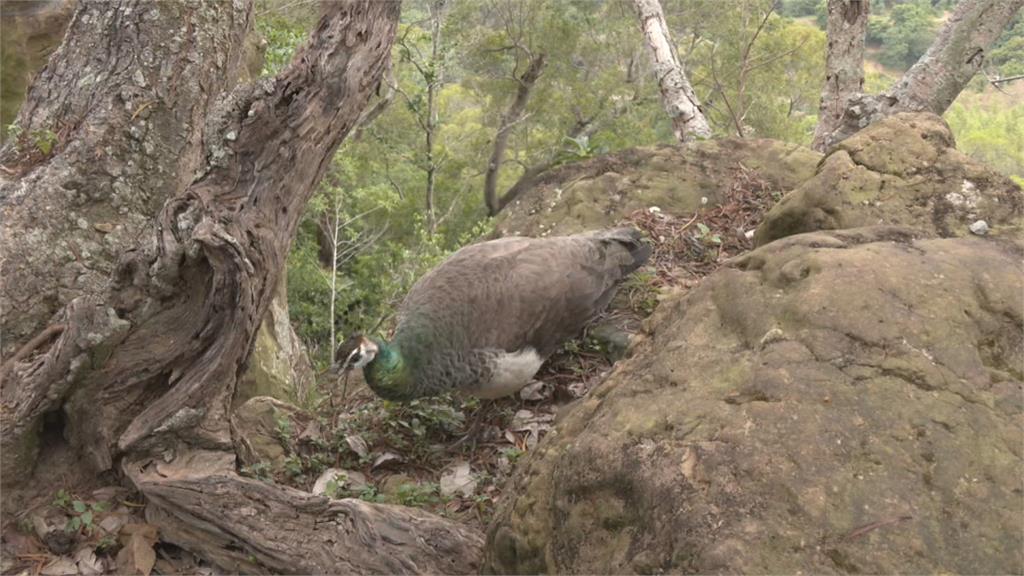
677,95
434,85
120,105
938,77
145,371
515,114
844,63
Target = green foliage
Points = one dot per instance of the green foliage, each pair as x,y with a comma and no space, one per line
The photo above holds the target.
799,8
82,514
282,36
43,140
418,495
990,127
759,75
512,453
370,494
14,131
259,470
642,291
410,428
704,235
905,34
1007,54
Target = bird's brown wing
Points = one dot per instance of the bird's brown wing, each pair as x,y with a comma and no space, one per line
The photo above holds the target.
515,292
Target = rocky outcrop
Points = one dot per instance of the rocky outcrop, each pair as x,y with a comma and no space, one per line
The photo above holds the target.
677,179
843,401
903,170
845,398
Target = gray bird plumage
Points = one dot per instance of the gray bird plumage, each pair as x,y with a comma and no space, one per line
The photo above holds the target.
483,321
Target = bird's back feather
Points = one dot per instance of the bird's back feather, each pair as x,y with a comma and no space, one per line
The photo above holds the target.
506,295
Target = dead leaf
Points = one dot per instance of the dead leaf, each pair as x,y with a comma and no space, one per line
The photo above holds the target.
386,458
137,555
88,563
358,445
349,479
311,433
458,479
59,567
535,391
112,523
16,543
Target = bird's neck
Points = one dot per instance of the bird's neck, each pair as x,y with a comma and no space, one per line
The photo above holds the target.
388,374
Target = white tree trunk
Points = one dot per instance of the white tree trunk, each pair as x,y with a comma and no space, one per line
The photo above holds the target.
676,93
844,64
937,78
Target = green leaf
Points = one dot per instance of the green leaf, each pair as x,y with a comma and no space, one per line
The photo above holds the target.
73,525
78,506
86,518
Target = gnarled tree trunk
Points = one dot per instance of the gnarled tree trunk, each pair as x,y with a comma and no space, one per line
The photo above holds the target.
844,63
938,77
110,129
677,95
144,371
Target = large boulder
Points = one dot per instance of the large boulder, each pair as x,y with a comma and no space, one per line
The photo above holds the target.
845,401
903,170
677,179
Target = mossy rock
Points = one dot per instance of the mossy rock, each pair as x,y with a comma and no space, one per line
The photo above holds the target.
904,170
844,401
264,428
278,366
599,192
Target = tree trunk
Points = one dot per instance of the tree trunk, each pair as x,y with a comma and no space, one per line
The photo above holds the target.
515,114
282,362
110,129
937,78
677,95
144,372
844,63
434,85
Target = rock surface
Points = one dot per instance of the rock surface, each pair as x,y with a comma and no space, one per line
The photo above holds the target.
843,401
601,191
903,170
262,428
278,366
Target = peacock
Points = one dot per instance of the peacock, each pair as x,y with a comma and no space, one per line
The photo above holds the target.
483,321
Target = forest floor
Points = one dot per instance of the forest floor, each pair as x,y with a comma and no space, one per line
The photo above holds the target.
447,455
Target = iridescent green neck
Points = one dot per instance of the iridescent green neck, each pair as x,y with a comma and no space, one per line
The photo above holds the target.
388,374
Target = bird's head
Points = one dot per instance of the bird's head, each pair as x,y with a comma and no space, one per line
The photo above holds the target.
355,352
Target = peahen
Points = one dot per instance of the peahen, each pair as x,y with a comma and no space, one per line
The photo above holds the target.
484,321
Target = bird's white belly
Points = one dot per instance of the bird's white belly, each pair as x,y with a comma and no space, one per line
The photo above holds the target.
512,371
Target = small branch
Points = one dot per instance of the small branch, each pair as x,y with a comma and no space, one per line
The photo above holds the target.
45,335
1007,79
